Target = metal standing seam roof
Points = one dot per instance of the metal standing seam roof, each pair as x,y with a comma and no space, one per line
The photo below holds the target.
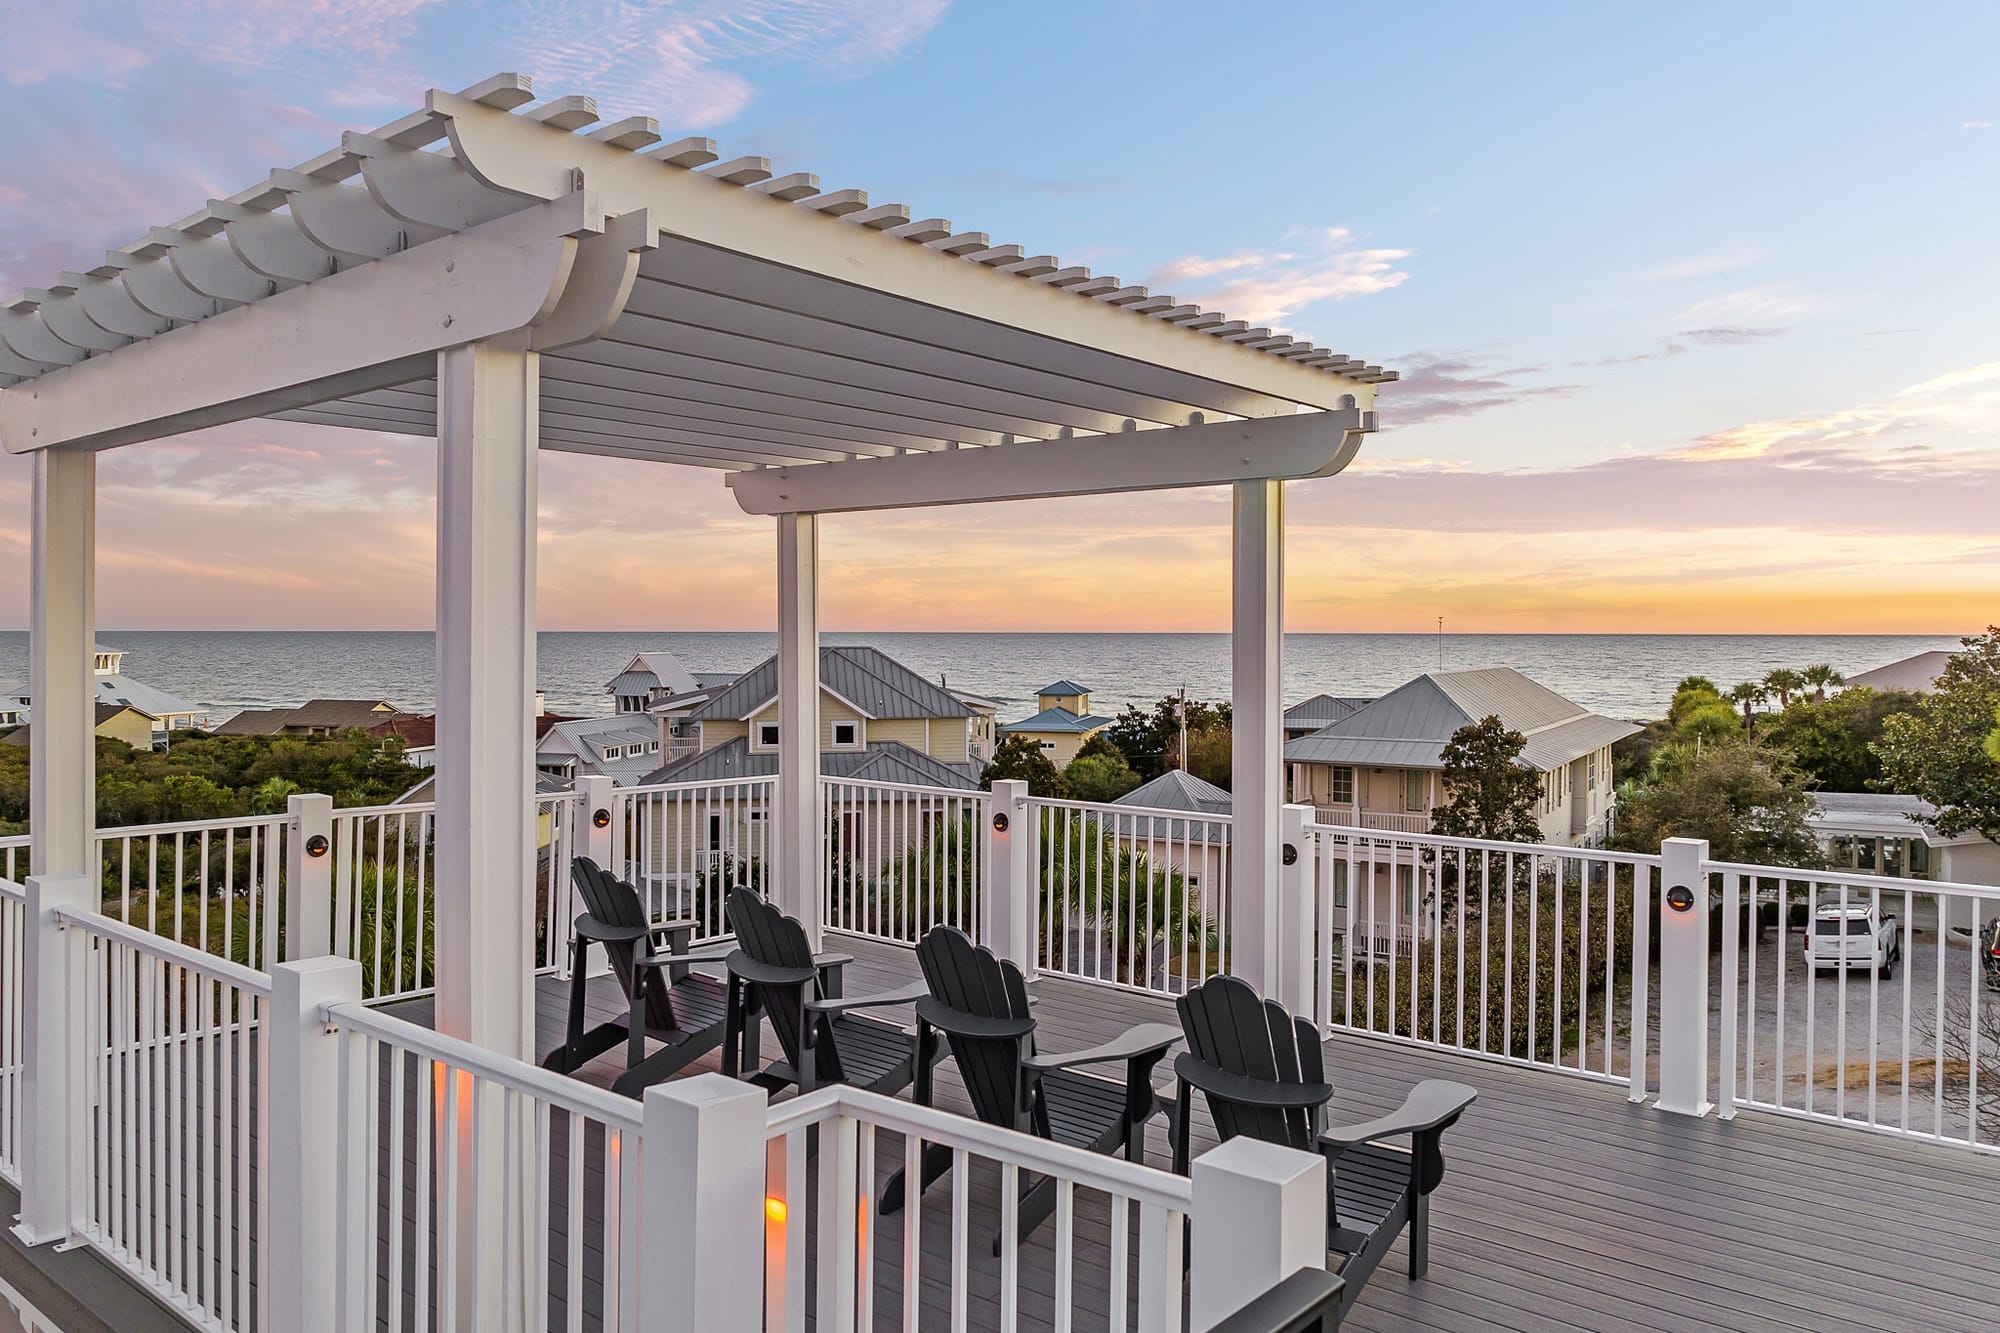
1062,687
868,678
1175,789
1917,673
1324,708
884,761
771,322
1058,720
1410,726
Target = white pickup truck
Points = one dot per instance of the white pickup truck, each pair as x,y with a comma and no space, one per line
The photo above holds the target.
1854,935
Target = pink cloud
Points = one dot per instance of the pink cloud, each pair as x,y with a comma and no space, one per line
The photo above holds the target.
1269,287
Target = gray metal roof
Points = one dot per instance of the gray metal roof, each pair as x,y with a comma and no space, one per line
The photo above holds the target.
882,761
868,678
1878,814
1177,789
1324,708
1917,673
632,682
1410,726
1057,719
1063,687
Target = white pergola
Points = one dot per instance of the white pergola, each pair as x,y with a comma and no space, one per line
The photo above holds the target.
507,278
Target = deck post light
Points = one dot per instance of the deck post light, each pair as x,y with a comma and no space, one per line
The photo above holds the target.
316,845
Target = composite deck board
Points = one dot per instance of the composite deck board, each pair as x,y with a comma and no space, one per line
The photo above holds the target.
1564,1206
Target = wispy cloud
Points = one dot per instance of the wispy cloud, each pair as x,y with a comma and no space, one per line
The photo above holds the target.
1270,286
1438,385
1730,335
1701,266
1975,124
1751,306
694,64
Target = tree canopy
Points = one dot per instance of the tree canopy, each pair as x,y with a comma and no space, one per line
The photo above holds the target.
1939,751
1488,793
1150,738
1099,777
1751,804
1832,740
1020,759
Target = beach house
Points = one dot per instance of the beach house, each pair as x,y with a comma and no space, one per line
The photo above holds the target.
1322,710
169,711
657,674
1062,724
1917,674
316,717
1382,765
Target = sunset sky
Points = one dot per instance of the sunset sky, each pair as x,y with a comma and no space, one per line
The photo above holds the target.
1697,307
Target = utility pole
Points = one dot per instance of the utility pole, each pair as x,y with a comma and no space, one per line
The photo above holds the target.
1180,710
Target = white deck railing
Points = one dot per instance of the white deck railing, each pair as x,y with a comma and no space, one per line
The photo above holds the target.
684,845
1915,1052
166,1147
1392,821
477,1191
210,884
1129,897
898,860
1521,952
13,933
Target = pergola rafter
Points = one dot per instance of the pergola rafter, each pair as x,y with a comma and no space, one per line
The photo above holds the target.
509,277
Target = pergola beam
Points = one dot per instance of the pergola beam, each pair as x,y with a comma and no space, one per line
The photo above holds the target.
1313,444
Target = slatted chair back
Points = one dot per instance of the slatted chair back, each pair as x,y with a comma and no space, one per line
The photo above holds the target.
767,936
612,902
1230,1027
970,979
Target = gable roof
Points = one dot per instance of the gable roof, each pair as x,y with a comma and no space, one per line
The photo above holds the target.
105,712
655,668
149,699
1062,687
882,761
1410,726
1177,789
1058,720
1917,673
867,678
342,713
1324,708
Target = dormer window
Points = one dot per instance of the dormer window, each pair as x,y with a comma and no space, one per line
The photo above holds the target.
767,735
846,735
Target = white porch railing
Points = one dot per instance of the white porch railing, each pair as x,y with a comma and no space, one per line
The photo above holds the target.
166,1148
13,933
1522,952
214,885
899,860
684,845
1351,816
1129,897
1912,1048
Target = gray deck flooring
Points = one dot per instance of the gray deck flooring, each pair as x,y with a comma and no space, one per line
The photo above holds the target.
1564,1206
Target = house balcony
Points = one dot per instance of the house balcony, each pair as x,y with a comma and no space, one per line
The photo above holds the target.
485,1193
1391,821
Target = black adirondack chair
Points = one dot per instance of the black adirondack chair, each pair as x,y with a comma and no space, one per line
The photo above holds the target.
825,1039
979,1002
1261,1073
667,1001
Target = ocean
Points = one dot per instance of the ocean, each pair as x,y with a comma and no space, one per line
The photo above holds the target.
1622,675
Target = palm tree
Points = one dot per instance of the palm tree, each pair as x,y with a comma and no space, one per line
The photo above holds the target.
1747,696
1821,676
1784,682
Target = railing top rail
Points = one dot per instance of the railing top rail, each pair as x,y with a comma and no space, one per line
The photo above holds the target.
237,822
916,787
16,840
1356,833
1143,811
145,941
1112,1175
570,1094
365,811
705,784
9,889
1852,879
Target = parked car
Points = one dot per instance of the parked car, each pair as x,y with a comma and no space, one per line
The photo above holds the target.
1989,952
1854,935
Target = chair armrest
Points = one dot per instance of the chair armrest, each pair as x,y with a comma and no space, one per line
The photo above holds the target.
832,959
1198,1073
1432,1104
1145,1039
909,994
715,953
749,969
953,1023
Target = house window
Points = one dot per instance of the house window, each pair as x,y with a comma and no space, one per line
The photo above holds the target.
1048,745
614,752
1590,771
846,735
653,748
1413,789
767,735
1340,786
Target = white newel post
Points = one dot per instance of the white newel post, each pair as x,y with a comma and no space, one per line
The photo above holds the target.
303,1124
309,876
701,1207
595,793
1296,877
795,886
1259,1216
1684,977
488,424
1257,778
1008,924
54,1055
62,689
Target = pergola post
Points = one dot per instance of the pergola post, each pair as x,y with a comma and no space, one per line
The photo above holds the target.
1256,764
488,423
62,762
795,884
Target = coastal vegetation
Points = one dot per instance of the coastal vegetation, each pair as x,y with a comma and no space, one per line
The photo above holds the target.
1944,749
